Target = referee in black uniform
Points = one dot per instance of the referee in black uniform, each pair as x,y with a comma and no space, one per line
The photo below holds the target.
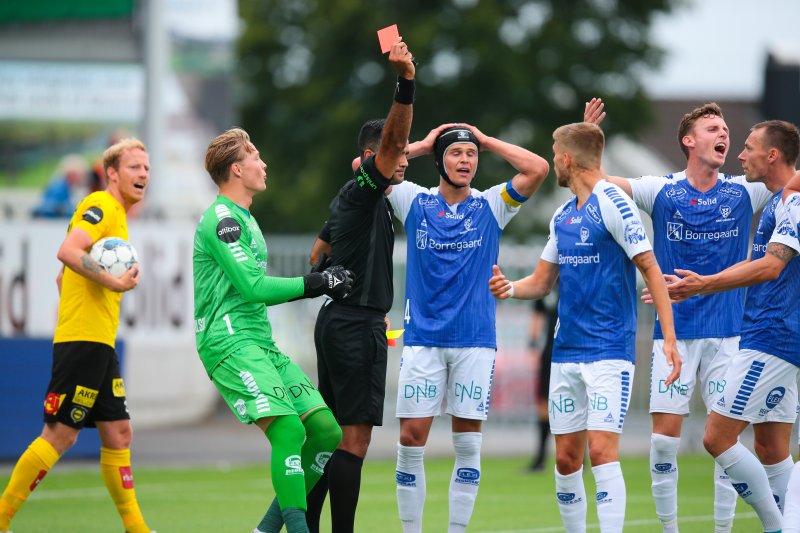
350,334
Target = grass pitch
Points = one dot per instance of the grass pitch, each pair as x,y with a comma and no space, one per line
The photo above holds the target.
232,500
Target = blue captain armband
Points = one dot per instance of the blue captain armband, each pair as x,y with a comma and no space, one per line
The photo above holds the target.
511,196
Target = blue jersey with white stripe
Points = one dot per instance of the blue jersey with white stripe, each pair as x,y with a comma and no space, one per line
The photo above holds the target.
772,309
450,253
705,232
593,246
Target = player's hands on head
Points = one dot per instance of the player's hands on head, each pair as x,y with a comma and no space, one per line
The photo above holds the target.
129,280
426,144
593,111
482,137
335,281
499,284
401,58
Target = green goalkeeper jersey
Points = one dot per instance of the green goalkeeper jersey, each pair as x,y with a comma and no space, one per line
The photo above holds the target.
231,286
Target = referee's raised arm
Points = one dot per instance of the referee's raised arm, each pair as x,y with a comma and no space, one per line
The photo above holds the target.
398,124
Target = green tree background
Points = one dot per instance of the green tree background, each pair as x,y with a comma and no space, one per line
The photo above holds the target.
311,73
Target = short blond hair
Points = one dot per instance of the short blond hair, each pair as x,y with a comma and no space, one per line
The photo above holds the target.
225,150
584,141
689,119
113,153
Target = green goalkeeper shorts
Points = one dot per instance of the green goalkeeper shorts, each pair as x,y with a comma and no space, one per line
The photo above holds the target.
258,383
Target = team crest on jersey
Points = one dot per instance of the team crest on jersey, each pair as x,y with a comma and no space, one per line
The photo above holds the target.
674,231
422,239
467,226
730,191
634,232
594,213
563,214
725,211
584,235
675,192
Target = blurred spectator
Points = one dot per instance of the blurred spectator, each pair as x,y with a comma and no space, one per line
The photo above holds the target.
58,199
97,178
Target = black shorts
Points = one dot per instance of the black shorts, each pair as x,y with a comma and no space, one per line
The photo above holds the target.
351,362
85,385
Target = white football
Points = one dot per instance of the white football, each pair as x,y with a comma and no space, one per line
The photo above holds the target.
115,255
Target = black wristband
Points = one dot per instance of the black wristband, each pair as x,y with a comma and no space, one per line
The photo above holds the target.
404,93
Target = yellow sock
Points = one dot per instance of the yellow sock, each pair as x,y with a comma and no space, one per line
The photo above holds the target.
30,469
115,466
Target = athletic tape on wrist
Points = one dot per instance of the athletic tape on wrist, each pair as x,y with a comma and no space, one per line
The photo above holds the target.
404,92
510,291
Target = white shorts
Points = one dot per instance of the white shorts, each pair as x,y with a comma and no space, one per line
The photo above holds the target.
760,388
431,379
593,396
704,364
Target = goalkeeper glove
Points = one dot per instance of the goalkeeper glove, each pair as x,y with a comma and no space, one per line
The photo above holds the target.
335,281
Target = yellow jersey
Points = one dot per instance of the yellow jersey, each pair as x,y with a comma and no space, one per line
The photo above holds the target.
87,311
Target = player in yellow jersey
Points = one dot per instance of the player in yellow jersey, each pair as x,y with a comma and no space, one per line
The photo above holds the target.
85,386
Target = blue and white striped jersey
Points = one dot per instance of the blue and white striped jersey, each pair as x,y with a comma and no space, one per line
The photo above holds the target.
704,232
450,253
772,309
593,247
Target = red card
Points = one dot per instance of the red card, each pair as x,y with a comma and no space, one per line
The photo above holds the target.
387,37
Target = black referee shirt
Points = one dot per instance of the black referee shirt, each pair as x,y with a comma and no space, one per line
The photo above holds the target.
362,237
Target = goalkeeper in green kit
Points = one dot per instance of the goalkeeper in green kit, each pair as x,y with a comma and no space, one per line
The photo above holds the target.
232,290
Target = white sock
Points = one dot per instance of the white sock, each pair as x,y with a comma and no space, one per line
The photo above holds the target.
791,511
465,480
410,478
750,481
571,496
611,497
664,476
724,500
778,476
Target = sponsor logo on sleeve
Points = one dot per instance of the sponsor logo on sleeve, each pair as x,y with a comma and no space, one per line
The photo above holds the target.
675,192
229,230
118,387
730,191
563,214
93,215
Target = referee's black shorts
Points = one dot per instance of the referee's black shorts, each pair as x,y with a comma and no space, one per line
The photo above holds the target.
351,362
85,385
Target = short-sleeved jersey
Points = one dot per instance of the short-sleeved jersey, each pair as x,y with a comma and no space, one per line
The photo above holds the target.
704,232
451,250
228,247
772,309
87,311
362,237
593,247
